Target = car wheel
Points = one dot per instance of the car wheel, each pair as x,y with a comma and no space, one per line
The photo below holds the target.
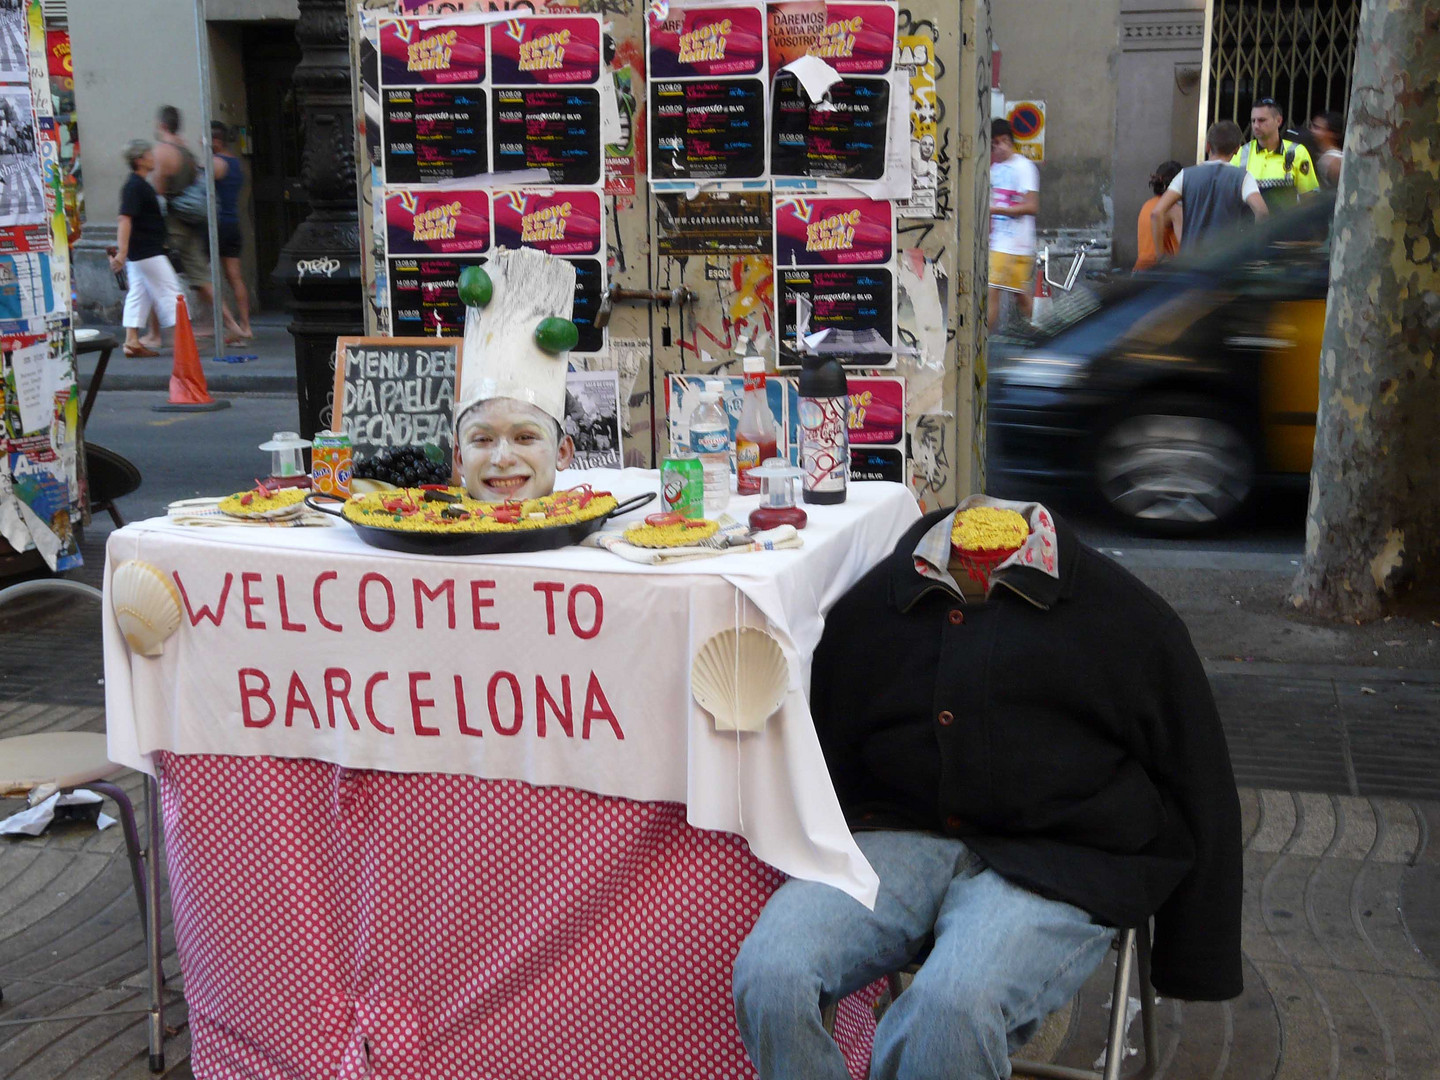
1175,465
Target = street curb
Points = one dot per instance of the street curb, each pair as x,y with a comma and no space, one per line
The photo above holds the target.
223,382
1347,673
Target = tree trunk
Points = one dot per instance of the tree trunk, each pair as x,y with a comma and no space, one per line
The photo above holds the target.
1374,519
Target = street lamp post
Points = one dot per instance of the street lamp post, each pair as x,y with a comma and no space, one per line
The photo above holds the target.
321,263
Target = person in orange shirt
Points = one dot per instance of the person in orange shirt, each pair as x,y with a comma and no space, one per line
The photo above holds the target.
1159,181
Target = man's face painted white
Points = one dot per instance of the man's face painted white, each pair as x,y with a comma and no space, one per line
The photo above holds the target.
509,449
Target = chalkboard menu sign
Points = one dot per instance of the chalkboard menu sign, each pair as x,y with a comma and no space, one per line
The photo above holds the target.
392,391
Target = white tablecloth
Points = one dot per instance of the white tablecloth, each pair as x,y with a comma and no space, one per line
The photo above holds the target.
328,648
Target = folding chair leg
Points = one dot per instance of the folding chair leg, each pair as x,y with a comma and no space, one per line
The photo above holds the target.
132,844
1119,1008
1148,1019
152,923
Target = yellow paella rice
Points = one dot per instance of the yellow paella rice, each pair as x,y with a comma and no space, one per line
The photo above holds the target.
988,528
663,536
254,503
407,510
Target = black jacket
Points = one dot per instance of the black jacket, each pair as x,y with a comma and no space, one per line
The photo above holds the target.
1064,729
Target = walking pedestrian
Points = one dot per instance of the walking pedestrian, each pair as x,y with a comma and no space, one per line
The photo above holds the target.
1281,167
1216,195
176,168
1144,237
229,180
1328,131
1014,202
140,251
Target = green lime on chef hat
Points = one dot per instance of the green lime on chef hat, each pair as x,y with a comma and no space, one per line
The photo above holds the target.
516,340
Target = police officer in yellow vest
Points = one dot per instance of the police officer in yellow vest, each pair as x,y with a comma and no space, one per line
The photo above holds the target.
1282,168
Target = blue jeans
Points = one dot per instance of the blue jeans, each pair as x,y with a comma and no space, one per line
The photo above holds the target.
1003,959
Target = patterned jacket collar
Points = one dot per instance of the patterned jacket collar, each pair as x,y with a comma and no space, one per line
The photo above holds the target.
1040,571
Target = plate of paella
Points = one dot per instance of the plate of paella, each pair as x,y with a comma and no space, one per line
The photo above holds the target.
440,520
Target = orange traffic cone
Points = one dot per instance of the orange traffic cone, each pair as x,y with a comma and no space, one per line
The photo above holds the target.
188,392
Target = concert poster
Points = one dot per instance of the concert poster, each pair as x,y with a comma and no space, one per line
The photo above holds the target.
425,296
430,222
844,140
549,128
547,51
434,134
589,290
557,222
853,38
443,56
712,129
709,41
857,306
833,231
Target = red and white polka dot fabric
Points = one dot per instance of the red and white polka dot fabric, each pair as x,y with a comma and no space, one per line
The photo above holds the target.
343,924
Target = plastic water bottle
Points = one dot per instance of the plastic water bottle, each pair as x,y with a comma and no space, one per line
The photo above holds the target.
710,442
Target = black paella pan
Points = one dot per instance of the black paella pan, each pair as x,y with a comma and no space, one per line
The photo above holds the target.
487,543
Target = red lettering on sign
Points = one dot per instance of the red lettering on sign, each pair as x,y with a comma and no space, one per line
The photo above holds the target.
285,623
423,592
477,602
565,716
250,601
389,620
597,708
549,588
417,703
297,697
465,728
519,709
378,677
328,575
597,617
337,688
205,612
247,692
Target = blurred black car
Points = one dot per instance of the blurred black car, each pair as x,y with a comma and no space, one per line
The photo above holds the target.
1174,393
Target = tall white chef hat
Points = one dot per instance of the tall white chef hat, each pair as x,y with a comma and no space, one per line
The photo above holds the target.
501,356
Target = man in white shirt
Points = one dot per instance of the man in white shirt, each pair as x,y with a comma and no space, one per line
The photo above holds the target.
1217,196
1014,202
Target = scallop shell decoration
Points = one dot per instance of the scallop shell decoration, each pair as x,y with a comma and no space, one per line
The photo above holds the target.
740,678
147,605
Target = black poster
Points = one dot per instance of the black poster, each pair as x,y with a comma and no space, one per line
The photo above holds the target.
877,463
712,129
425,296
856,306
548,128
588,281
844,138
714,223
434,135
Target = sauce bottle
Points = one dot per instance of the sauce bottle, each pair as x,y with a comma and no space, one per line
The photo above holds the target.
755,436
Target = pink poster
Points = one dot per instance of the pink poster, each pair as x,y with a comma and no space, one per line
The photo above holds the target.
558,222
854,38
442,56
877,410
544,51
832,232
437,222
857,39
708,41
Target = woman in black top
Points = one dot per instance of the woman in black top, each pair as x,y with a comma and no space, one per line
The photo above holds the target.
229,180
140,251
